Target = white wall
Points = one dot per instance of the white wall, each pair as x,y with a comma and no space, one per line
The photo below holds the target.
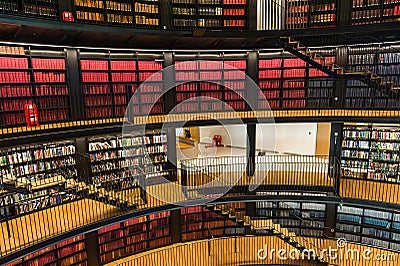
233,135
298,138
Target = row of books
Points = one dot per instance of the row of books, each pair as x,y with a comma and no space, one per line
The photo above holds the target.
146,21
270,94
94,77
35,169
41,10
118,18
184,11
17,50
210,65
359,133
90,3
234,12
22,156
294,93
127,152
126,178
13,63
48,77
146,8
117,6
359,144
14,77
53,63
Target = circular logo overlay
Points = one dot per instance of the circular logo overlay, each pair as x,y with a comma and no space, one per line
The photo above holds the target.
221,95
341,242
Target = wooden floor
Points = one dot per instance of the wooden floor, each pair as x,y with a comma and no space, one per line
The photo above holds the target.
293,178
244,251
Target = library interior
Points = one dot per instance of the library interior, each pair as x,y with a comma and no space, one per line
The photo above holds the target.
199,132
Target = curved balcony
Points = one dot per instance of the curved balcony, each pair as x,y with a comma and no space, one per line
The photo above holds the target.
216,180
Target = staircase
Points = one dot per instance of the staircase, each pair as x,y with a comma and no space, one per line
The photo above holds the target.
268,227
332,69
108,197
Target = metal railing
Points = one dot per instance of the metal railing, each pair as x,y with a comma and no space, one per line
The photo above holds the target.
272,172
205,179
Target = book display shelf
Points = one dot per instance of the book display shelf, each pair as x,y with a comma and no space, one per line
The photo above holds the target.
304,219
216,86
200,222
371,152
301,14
110,79
141,13
386,65
47,8
42,176
290,83
375,11
121,163
209,14
71,252
369,226
323,14
134,236
32,76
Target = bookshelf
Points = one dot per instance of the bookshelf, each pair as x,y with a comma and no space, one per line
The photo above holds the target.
45,8
290,83
323,14
304,219
217,85
43,174
370,152
110,168
209,14
140,13
369,226
33,76
200,222
375,11
270,82
110,79
297,14
9,6
151,87
50,84
121,162
134,236
69,252
301,14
